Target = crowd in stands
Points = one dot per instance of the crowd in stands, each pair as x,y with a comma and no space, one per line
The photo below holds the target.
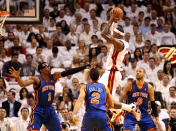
70,36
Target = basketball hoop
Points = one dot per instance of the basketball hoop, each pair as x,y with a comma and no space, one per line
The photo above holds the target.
3,16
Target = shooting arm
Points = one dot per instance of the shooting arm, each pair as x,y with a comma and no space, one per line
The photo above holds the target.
109,99
106,34
80,99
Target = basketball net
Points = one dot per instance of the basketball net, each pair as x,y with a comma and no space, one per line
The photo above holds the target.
3,17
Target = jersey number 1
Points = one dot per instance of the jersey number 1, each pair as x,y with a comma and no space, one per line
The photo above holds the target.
49,96
94,100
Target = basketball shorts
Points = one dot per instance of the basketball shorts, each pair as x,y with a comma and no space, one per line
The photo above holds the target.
96,120
146,123
46,116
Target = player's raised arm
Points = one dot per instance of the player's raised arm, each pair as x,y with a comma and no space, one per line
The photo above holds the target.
16,74
110,102
58,75
106,33
152,99
80,99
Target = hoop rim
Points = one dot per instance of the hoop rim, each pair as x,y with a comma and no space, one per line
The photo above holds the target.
4,13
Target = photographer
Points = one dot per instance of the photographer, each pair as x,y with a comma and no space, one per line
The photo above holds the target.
172,121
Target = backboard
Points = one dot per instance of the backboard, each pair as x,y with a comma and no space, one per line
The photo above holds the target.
23,11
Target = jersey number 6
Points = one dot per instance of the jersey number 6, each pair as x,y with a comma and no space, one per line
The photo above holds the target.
139,101
95,97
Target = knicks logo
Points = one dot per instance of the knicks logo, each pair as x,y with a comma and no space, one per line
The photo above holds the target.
169,54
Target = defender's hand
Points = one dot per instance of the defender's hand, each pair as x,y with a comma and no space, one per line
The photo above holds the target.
14,73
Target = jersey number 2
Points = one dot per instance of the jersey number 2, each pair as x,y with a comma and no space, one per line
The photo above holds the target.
49,96
94,100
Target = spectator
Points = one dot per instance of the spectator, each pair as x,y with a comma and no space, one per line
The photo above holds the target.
46,18
132,68
3,55
67,101
5,124
153,35
167,37
83,50
102,57
171,97
32,48
11,105
164,88
38,57
9,42
22,123
72,35
153,17
138,54
30,102
55,12
24,35
141,18
28,68
168,69
159,28
75,87
162,115
55,60
44,36
146,27
152,70
160,75
172,124
48,50
128,27
52,27
16,46
23,96
3,90
145,61
67,54
86,34
64,27
139,41
12,63
58,38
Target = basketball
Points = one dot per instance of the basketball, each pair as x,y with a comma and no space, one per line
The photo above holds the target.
119,12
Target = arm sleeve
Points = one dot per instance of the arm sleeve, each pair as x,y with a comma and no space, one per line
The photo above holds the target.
154,108
73,71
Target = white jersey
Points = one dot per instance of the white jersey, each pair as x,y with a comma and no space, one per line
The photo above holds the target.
115,59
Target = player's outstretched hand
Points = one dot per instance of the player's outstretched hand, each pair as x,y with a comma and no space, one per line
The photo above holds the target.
14,73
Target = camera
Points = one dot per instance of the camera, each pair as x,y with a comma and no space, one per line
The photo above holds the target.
65,125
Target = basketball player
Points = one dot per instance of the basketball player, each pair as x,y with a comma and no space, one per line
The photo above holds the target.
140,92
119,48
44,86
96,96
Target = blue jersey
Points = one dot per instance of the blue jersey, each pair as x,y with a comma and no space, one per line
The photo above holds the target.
140,96
44,95
95,97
